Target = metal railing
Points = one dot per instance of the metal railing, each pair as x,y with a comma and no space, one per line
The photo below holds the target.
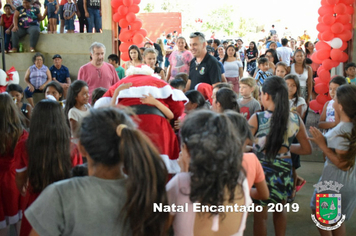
2,48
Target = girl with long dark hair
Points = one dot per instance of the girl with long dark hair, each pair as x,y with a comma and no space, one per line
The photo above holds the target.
339,146
233,67
47,156
225,99
11,132
251,57
273,149
126,177
212,150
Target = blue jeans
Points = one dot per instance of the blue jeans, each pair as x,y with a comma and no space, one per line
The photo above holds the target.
7,40
94,20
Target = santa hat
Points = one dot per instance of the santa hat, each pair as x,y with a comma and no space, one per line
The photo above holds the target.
206,90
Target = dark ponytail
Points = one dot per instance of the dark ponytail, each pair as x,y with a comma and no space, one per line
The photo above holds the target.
346,97
227,99
276,87
109,145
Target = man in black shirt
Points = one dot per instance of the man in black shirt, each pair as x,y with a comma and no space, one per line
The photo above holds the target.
204,68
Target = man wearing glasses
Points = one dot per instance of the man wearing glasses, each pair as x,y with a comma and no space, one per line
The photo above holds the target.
204,68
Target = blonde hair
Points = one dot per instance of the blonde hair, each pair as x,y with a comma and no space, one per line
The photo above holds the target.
249,81
160,43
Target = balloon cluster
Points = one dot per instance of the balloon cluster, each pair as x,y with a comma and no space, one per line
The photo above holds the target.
335,29
124,13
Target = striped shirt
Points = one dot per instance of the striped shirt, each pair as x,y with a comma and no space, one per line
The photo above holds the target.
38,76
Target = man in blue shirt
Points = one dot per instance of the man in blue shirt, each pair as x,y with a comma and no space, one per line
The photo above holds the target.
60,73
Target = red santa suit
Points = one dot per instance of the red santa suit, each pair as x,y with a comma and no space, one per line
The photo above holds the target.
154,125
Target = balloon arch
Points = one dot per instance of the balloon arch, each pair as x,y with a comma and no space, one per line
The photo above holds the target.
124,13
335,29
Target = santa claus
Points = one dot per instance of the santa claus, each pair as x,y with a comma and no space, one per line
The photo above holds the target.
155,102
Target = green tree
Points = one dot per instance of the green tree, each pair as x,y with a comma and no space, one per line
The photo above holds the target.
220,20
149,7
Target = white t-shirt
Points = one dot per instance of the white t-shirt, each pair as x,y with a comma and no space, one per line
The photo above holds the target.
284,54
77,115
300,102
232,68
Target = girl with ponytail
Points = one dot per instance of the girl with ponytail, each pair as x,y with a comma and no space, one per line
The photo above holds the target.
273,149
339,146
126,176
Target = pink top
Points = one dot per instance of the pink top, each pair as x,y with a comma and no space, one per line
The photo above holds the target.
178,189
179,61
253,168
105,76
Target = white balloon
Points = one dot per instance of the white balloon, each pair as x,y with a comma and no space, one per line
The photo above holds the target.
335,43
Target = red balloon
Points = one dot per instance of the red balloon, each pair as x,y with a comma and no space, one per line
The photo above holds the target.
125,56
320,69
340,8
323,54
336,55
324,2
327,35
324,76
130,17
327,64
346,35
117,17
343,19
329,19
345,57
134,8
127,2
124,47
344,46
335,63
326,10
317,80
322,99
123,23
315,58
321,88
350,10
320,19
322,45
116,3
123,10
126,36
347,2
138,38
137,24
315,106
136,2
337,28
143,32
321,27
348,26
332,2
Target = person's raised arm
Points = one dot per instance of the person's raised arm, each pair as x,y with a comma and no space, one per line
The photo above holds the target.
117,91
149,99
333,156
169,72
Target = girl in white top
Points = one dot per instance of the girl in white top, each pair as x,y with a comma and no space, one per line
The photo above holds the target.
215,178
304,73
329,118
296,102
233,67
77,106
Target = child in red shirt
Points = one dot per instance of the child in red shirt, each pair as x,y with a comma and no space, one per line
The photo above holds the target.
6,21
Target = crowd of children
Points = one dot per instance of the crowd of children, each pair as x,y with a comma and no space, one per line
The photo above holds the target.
228,152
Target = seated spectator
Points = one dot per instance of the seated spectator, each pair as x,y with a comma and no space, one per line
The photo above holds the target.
60,73
114,60
26,20
37,77
6,22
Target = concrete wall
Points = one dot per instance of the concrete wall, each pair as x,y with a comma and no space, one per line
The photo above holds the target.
74,49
